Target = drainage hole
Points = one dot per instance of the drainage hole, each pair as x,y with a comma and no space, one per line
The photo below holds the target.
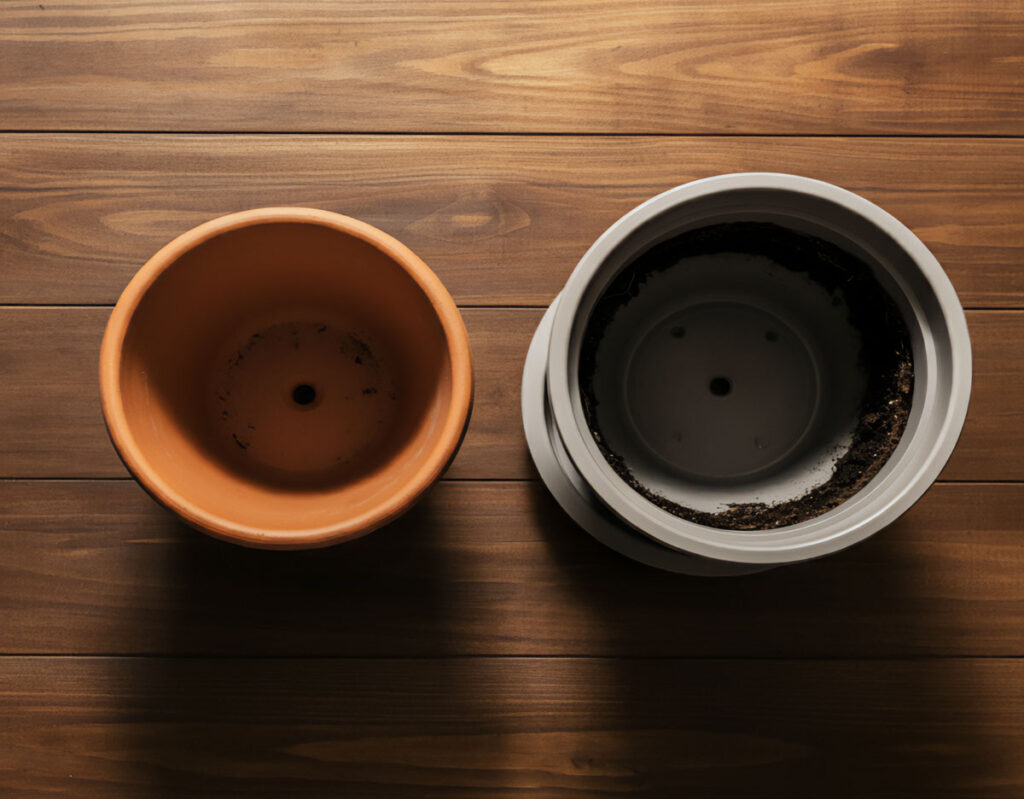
303,394
720,386
771,335
678,331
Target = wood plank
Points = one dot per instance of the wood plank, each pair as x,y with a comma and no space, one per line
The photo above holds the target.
50,396
503,220
493,568
992,444
52,425
500,728
767,66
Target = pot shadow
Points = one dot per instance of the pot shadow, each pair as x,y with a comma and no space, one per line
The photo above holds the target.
264,652
774,684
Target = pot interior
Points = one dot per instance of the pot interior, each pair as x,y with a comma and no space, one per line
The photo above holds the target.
746,375
285,375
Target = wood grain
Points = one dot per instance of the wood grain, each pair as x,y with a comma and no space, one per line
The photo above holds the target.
503,220
52,425
501,728
767,66
483,645
493,568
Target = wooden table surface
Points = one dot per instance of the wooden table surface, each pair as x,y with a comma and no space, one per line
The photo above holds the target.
484,645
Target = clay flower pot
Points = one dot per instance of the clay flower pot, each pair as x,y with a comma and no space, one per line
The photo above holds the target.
286,377
748,370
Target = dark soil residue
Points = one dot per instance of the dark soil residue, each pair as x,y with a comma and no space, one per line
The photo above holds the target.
885,357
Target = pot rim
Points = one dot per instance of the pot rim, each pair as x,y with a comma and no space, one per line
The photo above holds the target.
812,538
394,505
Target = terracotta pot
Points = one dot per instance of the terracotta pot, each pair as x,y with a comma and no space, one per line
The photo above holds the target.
286,377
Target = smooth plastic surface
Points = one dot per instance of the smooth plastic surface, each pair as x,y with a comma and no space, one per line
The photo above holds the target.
728,380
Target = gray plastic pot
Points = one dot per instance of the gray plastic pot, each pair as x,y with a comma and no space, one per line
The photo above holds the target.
794,411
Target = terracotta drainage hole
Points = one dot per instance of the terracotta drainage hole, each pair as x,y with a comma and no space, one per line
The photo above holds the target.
720,386
303,394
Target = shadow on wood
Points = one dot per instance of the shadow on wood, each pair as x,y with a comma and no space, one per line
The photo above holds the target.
778,726
223,729
630,691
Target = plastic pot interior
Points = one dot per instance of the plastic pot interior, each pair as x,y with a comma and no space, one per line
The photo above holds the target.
784,355
286,377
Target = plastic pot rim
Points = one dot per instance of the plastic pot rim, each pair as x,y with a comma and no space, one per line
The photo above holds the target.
813,538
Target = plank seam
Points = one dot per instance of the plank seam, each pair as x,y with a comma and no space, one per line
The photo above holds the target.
501,656
504,134
55,306
513,480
